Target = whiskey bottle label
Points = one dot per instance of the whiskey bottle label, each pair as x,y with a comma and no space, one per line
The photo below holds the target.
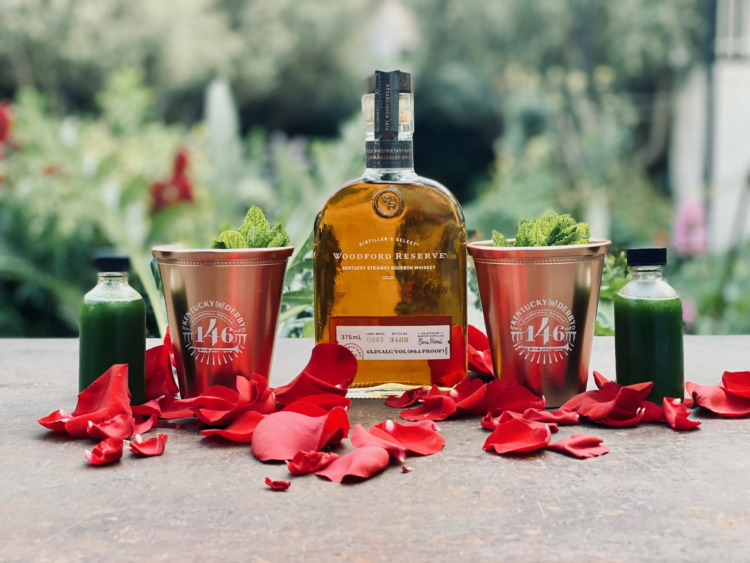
392,339
389,154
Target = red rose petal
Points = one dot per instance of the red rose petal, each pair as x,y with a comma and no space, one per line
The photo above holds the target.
159,376
278,485
737,383
688,402
563,417
480,359
56,420
613,404
146,425
241,429
469,396
417,438
309,462
105,398
327,401
361,438
363,462
433,407
518,435
152,447
676,414
119,426
600,380
652,412
331,369
408,398
492,422
448,372
580,445
502,396
716,399
106,451
280,435
406,469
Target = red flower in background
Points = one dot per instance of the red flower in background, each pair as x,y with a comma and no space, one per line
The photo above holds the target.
178,188
6,121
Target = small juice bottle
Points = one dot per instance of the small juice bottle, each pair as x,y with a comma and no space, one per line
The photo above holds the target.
113,327
648,328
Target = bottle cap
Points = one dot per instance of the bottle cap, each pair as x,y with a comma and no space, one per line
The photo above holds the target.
109,260
647,256
404,80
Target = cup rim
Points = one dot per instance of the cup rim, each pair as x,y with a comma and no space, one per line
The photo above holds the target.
484,248
179,252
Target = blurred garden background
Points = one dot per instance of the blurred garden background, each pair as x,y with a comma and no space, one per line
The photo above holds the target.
129,123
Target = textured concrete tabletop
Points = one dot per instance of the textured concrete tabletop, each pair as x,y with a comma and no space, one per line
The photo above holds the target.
658,495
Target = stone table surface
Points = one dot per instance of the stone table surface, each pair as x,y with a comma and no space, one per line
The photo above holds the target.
658,495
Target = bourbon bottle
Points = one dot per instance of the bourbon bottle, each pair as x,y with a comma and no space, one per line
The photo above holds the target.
390,259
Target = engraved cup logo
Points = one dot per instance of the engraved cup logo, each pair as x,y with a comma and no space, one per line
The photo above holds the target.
543,331
388,202
214,332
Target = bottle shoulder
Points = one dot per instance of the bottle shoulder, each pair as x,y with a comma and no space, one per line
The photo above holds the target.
112,293
648,289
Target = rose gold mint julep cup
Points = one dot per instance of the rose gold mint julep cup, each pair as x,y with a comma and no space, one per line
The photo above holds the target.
540,313
222,306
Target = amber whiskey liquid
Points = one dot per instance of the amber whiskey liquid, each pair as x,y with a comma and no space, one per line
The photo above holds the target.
390,260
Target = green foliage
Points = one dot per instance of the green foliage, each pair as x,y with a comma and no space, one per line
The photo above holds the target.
614,277
551,229
255,232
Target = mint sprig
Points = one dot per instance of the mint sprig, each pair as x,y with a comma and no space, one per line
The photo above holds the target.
255,232
547,230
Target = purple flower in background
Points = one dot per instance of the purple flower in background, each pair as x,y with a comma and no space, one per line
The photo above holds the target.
689,236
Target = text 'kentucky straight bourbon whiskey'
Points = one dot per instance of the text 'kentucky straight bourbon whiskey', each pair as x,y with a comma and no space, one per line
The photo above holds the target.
390,259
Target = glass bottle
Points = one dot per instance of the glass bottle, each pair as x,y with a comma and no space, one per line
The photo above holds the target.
648,327
113,327
390,259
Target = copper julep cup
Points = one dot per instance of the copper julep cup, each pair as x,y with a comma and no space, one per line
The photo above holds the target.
540,313
222,306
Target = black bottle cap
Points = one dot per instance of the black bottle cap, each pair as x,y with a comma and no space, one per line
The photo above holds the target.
109,260
404,80
647,256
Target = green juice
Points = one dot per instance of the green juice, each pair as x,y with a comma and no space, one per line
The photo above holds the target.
113,332
648,344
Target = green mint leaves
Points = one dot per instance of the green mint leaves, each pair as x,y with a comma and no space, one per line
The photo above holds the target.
255,232
548,230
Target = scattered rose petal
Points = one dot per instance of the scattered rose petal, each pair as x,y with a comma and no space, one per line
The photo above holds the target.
327,401
408,398
580,445
417,438
105,398
280,435
676,414
406,469
147,424
241,429
361,437
563,417
480,358
600,380
331,369
106,451
652,412
119,426
688,402
612,404
433,407
56,420
469,396
278,485
518,435
716,399
502,396
363,462
159,376
309,462
152,447
448,372
737,383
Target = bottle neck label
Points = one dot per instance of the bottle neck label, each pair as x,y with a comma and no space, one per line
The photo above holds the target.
389,154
